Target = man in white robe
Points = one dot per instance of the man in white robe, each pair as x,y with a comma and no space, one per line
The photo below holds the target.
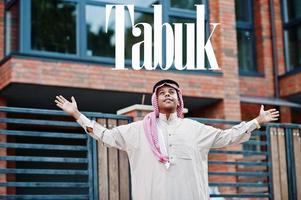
168,154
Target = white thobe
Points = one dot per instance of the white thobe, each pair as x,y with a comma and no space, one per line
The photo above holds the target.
188,143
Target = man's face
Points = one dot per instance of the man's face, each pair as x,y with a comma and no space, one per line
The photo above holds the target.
167,99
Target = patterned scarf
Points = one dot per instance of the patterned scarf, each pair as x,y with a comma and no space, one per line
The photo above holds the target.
150,123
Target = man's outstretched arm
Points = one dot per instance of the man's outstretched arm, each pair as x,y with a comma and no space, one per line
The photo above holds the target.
120,137
238,133
235,135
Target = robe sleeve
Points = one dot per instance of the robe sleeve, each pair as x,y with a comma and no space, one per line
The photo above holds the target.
122,137
237,134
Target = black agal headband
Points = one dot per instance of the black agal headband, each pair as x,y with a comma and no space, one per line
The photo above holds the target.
165,81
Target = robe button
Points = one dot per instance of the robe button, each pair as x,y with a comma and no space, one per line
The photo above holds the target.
169,134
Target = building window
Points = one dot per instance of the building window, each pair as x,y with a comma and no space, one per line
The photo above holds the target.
245,36
292,33
53,36
185,12
100,43
12,27
184,41
189,5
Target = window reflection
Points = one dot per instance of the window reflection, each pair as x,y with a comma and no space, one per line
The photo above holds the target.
242,11
138,3
12,29
131,40
189,4
245,36
245,50
184,41
293,46
101,43
292,33
293,9
53,26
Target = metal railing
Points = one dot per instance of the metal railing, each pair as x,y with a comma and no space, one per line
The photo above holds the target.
241,171
46,155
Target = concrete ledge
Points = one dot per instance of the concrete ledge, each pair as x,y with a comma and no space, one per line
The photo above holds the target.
139,107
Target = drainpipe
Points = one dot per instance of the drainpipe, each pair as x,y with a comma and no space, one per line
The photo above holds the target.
274,48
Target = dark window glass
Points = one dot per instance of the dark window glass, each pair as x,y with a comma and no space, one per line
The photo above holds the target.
53,26
184,40
292,33
242,10
130,40
189,4
245,36
12,29
293,9
245,50
137,3
101,43
293,46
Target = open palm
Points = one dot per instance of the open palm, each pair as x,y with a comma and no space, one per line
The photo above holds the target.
65,105
266,116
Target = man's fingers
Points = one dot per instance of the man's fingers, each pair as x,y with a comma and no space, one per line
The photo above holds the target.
270,110
60,99
63,98
275,112
59,102
73,99
59,105
56,101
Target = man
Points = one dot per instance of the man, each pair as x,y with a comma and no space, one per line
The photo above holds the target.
167,153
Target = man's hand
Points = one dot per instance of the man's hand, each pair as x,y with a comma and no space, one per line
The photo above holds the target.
67,106
267,116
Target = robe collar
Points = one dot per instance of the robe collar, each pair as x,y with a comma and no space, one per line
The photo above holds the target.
172,117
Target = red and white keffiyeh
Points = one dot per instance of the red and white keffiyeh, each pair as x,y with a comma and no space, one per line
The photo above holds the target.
150,123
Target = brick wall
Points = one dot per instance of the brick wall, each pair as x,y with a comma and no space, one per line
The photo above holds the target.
290,85
95,76
279,37
286,115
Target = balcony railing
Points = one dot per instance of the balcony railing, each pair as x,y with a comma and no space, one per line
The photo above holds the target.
45,154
